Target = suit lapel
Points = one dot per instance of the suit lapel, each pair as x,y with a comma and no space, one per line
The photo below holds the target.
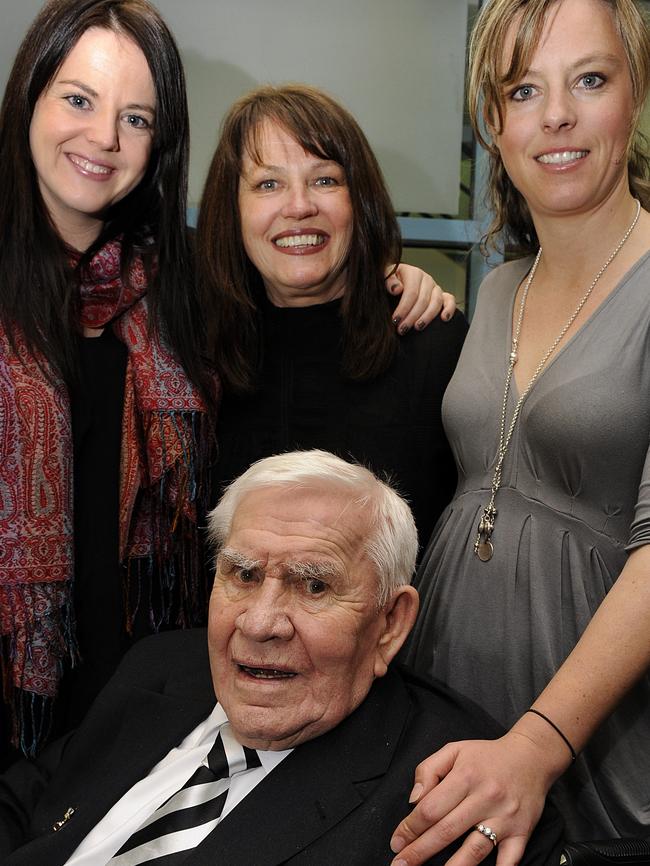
314,788
127,732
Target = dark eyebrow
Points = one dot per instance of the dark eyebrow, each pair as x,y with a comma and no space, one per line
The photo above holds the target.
134,106
262,166
321,163
74,83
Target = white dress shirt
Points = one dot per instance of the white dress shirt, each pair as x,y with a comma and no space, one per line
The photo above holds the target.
166,778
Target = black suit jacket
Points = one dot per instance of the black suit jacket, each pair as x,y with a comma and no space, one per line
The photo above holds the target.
336,798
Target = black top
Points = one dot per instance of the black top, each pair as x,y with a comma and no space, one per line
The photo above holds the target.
392,423
96,402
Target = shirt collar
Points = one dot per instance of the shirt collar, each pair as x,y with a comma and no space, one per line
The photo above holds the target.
208,732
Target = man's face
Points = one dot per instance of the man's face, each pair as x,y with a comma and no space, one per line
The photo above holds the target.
295,635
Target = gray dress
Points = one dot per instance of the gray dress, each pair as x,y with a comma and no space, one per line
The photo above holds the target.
575,498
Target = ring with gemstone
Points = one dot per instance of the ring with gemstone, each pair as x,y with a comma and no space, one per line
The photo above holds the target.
488,832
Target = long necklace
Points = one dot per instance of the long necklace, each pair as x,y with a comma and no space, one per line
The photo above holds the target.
483,546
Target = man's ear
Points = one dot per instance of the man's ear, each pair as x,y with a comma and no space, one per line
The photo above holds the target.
399,613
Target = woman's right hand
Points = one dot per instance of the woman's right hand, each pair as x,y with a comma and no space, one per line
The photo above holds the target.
500,783
422,298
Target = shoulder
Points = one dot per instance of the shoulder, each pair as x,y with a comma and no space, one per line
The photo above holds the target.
504,279
160,655
439,340
496,292
426,360
172,664
440,709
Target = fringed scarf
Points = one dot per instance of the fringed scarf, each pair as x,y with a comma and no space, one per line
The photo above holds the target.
166,438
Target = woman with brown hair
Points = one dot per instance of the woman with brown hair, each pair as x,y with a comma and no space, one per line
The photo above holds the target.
536,585
294,234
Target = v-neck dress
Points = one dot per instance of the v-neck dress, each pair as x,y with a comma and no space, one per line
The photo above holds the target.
574,500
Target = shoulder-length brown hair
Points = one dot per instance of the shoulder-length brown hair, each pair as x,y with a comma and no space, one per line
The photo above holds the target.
328,131
486,83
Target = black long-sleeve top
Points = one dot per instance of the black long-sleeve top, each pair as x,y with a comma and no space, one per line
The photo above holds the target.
391,424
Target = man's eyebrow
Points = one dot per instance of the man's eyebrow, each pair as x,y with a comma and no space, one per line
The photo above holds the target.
296,568
236,558
318,568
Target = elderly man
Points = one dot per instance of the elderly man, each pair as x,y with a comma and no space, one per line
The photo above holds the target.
308,755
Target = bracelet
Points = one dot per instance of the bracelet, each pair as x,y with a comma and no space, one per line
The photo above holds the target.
555,728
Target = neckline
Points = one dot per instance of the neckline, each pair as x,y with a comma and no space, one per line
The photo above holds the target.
334,304
514,388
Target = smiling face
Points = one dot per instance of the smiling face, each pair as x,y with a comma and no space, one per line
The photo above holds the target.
296,220
295,634
567,121
91,132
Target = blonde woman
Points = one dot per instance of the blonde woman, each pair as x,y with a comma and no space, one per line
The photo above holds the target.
536,586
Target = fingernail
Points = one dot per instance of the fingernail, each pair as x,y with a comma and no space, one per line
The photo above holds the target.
403,329
445,317
419,326
397,320
396,845
399,862
416,793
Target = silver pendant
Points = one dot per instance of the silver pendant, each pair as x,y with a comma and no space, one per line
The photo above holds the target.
483,547
484,550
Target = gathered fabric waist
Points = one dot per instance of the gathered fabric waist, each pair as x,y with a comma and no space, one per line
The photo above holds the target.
612,528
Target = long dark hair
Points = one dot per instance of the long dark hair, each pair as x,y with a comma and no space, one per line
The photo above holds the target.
37,284
328,131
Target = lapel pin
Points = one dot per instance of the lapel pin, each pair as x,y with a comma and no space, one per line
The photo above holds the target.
68,814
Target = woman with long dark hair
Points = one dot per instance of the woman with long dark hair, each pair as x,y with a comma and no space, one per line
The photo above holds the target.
100,330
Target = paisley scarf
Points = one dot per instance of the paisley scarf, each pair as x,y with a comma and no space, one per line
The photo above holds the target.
166,437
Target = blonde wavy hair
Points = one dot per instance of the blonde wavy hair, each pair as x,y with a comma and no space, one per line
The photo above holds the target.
485,87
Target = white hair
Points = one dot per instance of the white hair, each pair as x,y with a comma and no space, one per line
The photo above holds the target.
392,542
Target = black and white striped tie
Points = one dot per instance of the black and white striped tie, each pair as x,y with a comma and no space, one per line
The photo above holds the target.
185,819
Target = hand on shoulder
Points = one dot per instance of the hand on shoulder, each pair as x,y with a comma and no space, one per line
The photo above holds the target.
422,298
499,784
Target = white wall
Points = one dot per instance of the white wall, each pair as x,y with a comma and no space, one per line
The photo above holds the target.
398,66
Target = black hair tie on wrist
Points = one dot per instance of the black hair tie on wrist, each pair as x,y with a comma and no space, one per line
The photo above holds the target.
555,728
